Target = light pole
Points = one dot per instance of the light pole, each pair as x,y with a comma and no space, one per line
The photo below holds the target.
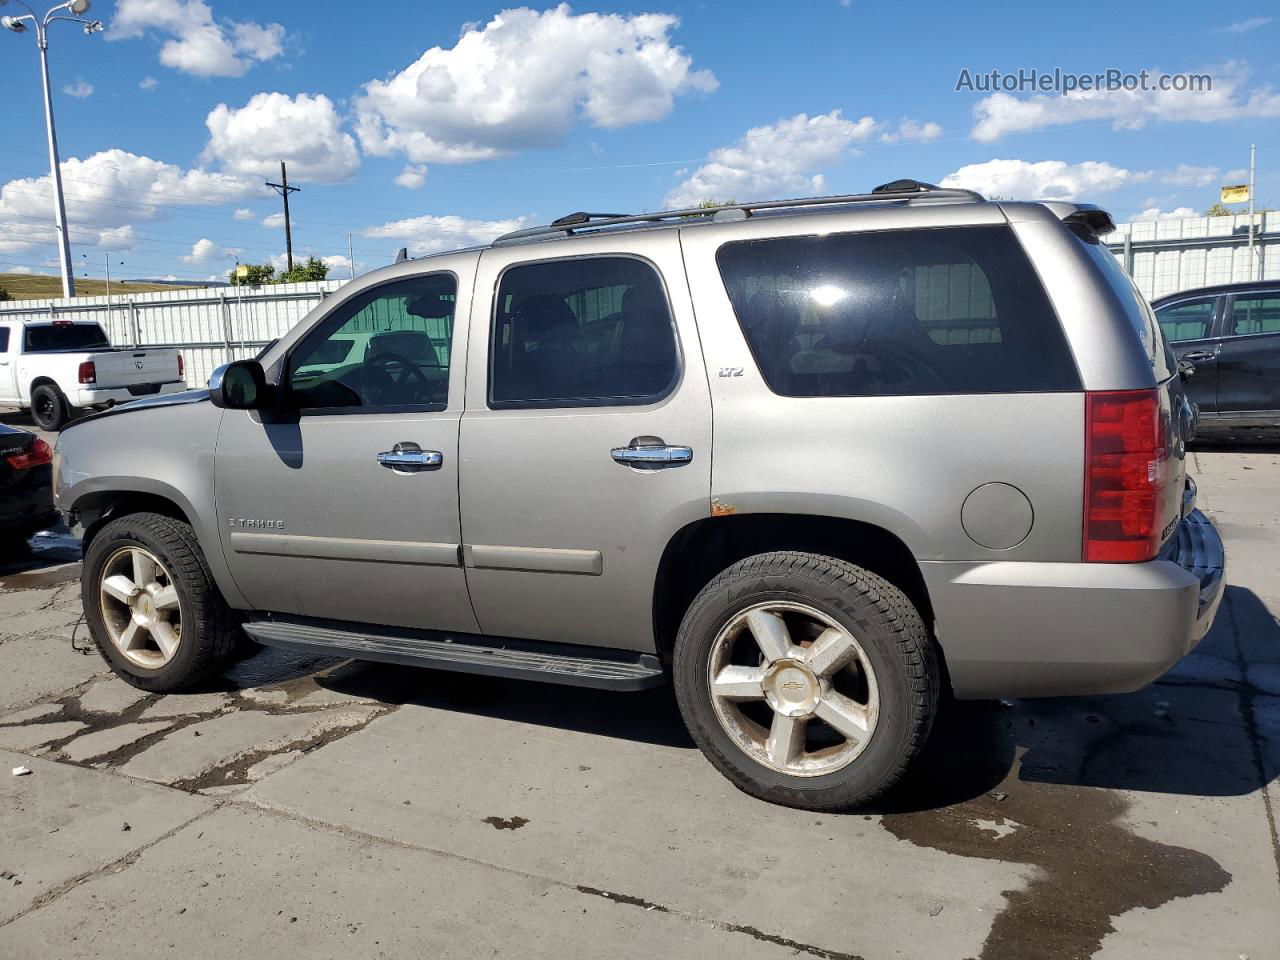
18,24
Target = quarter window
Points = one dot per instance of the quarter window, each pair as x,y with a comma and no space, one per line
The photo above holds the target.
1188,320
956,310
1259,314
387,347
592,331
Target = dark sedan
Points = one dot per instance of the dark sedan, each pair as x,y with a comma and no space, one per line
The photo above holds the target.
26,486
1231,334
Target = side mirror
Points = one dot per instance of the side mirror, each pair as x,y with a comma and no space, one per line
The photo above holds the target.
239,386
1186,370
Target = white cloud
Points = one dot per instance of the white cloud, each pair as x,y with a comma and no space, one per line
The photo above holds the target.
909,130
303,130
107,191
776,158
1244,26
124,237
413,176
1002,114
433,234
198,44
148,83
204,250
1188,175
522,80
19,269
244,214
1046,180
273,220
1155,213
79,89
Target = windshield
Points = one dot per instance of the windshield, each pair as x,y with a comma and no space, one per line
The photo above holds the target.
47,338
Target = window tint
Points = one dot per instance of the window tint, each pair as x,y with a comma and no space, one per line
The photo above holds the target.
954,310
1188,320
388,347
581,332
1260,314
49,337
4,339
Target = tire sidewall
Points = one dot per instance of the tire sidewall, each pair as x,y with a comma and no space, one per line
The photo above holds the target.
117,535
707,617
59,414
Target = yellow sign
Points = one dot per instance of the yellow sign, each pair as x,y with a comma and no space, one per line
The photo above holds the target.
242,271
1238,194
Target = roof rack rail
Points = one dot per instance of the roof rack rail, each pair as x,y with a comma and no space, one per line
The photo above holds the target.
896,190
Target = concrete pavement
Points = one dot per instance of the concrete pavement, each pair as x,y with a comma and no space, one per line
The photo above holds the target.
327,809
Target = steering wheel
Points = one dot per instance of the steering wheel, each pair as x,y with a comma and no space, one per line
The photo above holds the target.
380,361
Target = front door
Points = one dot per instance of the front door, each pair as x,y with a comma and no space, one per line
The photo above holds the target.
345,505
1249,362
1188,326
586,444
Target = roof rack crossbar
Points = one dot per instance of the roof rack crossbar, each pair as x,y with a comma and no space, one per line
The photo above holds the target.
574,223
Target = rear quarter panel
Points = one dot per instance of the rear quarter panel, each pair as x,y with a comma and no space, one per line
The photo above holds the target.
905,464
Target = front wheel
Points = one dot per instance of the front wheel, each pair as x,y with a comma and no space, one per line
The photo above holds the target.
152,606
806,680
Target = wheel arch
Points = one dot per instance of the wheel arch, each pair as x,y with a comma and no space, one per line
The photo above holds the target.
40,382
98,501
700,550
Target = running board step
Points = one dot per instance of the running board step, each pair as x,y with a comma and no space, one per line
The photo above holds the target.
577,666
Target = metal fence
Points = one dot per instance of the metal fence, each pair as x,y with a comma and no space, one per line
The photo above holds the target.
214,325
211,326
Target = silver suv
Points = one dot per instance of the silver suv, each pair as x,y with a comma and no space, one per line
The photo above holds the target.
819,462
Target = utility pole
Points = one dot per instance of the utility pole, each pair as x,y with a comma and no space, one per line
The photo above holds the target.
18,24
1254,267
284,190
351,257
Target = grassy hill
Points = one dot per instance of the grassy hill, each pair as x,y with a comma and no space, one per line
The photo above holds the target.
36,286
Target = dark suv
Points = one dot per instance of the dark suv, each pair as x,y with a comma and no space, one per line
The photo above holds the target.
1231,334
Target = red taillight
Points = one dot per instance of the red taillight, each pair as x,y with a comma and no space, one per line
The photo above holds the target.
38,453
182,367
88,372
1126,472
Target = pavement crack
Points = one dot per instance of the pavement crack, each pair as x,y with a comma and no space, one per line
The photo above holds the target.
115,866
796,945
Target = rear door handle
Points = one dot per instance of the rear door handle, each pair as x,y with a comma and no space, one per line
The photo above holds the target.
410,458
651,453
1200,356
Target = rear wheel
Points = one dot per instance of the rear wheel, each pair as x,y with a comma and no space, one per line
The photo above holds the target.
49,408
152,606
807,681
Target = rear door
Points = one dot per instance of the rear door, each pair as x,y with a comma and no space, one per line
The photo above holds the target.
1249,357
8,366
586,443
1189,328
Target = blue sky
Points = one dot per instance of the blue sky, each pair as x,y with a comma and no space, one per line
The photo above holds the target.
436,125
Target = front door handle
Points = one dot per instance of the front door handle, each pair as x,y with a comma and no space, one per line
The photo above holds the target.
651,453
1200,356
410,458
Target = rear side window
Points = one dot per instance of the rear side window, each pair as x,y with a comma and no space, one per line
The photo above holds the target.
954,310
588,332
1188,320
64,336
1258,314
4,339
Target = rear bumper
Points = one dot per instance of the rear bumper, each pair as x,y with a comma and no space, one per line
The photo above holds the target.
1065,629
93,397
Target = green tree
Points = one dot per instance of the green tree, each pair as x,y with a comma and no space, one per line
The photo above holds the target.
307,272
1222,210
258,274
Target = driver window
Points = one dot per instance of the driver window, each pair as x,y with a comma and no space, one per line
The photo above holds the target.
388,347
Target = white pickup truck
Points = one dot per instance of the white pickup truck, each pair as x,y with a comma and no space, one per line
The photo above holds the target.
55,367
